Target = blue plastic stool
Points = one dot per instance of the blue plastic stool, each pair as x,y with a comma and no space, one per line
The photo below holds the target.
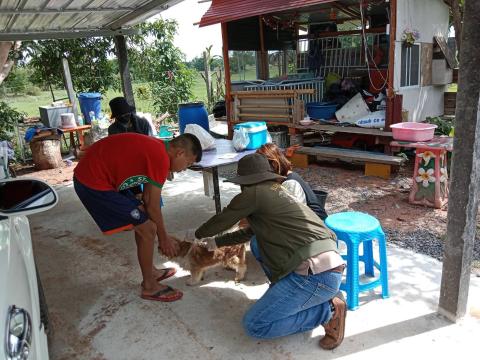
355,228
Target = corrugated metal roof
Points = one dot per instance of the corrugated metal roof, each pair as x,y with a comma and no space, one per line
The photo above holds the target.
228,10
29,19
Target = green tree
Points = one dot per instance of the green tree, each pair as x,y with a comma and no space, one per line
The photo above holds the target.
161,64
88,60
17,80
9,118
197,63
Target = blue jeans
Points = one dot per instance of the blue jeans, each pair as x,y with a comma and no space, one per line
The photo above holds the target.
294,304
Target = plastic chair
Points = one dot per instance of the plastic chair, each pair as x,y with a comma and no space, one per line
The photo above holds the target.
355,228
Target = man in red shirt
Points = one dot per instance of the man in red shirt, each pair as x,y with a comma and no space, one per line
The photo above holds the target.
119,162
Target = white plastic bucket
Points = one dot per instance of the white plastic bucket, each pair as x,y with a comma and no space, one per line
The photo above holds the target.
68,120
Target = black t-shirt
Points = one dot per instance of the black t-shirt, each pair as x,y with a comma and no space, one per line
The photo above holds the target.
132,123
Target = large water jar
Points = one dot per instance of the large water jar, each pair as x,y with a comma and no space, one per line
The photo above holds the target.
192,113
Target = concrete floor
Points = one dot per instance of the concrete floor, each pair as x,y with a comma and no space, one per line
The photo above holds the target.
92,285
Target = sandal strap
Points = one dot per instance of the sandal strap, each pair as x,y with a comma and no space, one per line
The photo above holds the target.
163,291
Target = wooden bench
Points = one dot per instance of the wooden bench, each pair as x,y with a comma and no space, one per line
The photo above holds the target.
376,164
272,106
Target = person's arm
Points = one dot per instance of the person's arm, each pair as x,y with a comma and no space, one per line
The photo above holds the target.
295,189
239,208
151,198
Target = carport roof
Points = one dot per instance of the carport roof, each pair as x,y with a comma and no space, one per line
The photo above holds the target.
48,19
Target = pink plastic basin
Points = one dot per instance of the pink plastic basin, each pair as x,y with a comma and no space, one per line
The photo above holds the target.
412,131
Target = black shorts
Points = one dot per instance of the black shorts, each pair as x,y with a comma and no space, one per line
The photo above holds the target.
112,211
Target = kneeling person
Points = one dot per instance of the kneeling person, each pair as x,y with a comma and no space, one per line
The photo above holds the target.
297,251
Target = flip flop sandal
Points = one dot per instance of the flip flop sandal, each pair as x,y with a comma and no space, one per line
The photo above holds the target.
167,272
161,295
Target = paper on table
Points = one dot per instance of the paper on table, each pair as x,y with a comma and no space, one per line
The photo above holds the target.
227,156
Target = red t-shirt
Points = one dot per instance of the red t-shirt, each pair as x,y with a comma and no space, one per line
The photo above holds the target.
122,161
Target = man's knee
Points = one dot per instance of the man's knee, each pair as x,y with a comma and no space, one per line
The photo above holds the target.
147,229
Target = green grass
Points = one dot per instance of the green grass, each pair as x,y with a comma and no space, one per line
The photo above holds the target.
30,104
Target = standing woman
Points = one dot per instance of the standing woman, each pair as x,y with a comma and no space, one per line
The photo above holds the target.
293,182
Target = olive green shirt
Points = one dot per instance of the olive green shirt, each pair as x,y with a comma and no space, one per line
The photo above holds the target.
287,232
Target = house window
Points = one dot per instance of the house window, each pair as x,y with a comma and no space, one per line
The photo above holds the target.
410,65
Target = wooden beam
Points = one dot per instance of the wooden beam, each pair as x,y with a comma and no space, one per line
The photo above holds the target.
378,30
347,129
228,81
267,116
346,10
391,50
464,190
263,54
391,65
352,155
271,93
261,106
121,50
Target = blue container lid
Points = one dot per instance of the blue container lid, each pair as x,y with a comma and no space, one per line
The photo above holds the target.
191,104
93,95
250,124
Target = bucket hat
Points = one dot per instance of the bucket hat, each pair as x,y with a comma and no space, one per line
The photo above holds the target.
253,169
119,107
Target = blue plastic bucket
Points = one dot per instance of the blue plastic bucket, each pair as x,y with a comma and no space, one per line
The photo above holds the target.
321,110
192,113
257,133
90,102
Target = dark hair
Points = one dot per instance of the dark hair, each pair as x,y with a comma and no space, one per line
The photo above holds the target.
278,162
190,143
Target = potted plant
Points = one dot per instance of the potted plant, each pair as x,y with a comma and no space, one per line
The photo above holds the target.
409,36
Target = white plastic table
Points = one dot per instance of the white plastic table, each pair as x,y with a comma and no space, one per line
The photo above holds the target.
223,154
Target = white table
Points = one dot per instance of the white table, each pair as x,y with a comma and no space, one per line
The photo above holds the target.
223,154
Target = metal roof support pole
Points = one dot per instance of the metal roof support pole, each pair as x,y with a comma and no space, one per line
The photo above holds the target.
465,176
67,79
121,49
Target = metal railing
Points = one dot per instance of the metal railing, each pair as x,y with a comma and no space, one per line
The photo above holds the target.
340,54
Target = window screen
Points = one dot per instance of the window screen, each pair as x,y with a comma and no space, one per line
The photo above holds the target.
410,66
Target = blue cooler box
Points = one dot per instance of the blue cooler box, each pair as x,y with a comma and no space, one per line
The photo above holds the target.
257,133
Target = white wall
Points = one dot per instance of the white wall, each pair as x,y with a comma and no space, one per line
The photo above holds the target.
430,18
423,101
